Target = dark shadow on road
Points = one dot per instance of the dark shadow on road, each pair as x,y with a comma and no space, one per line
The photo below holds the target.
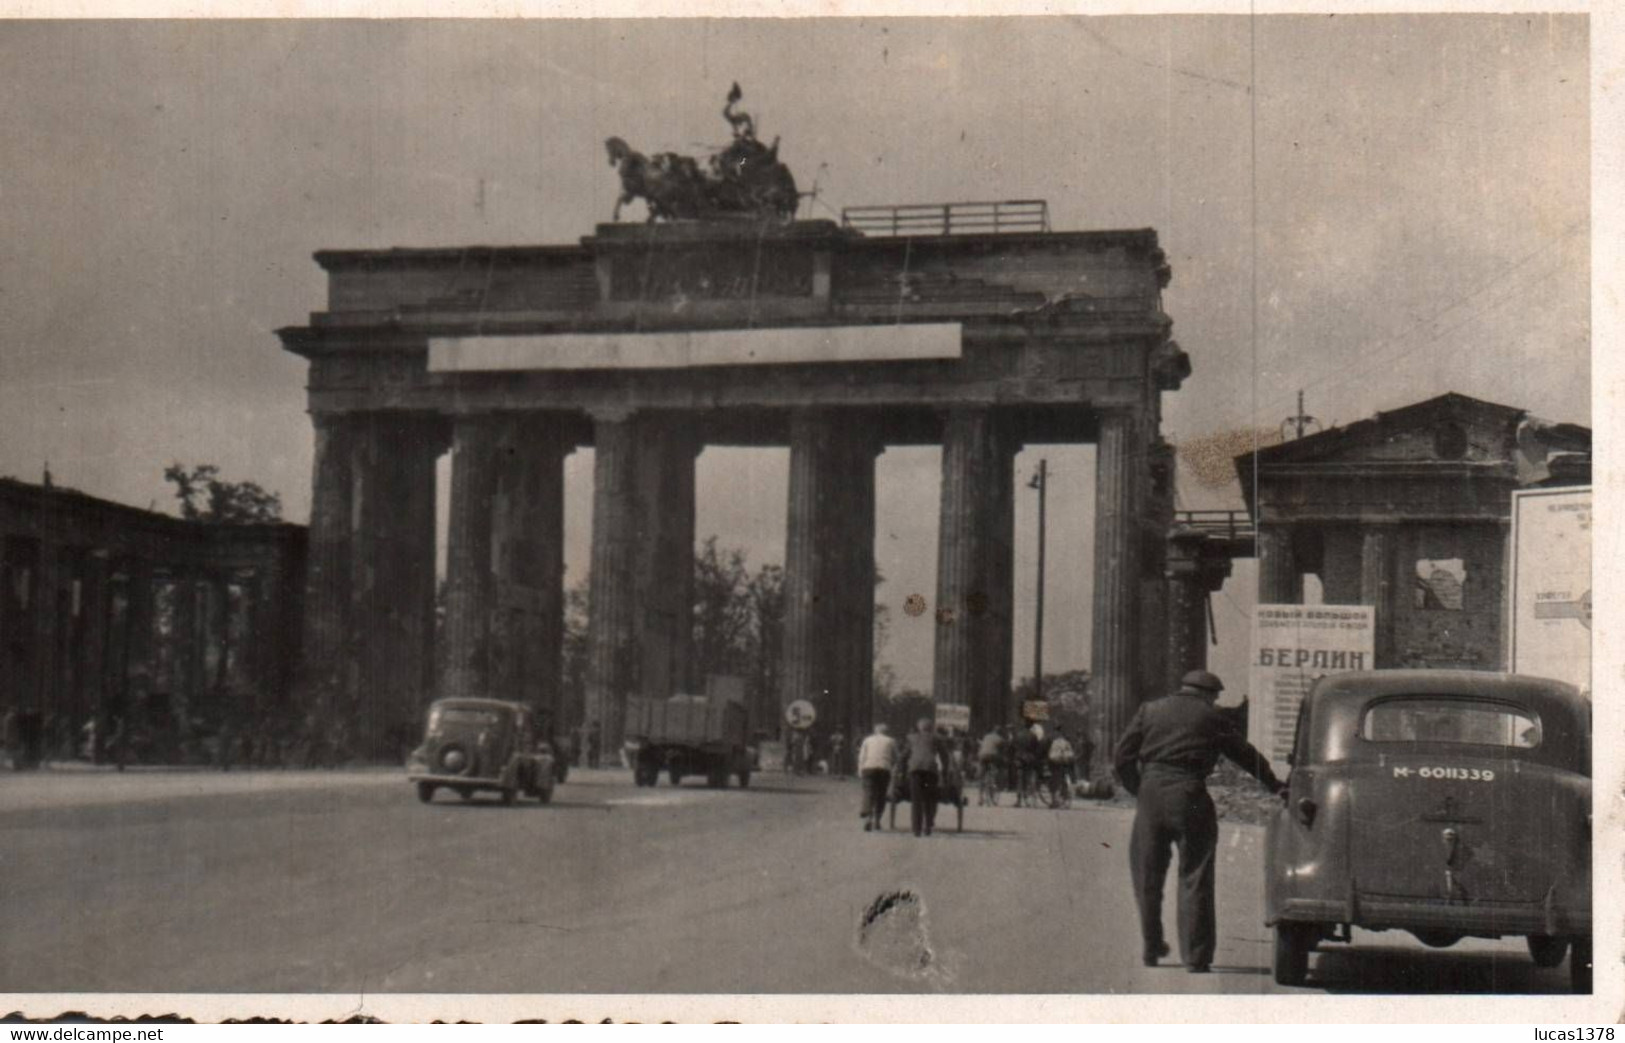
755,788
1383,969
523,805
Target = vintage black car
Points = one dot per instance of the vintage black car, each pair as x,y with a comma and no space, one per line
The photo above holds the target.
1446,803
471,745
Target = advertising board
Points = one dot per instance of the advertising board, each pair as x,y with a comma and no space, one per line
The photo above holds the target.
1293,646
1549,630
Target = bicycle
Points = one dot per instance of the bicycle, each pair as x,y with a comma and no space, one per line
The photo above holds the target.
987,789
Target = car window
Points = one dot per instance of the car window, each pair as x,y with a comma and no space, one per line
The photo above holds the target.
455,715
1466,721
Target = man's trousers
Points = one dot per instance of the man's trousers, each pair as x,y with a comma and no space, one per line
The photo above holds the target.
876,785
922,805
1175,811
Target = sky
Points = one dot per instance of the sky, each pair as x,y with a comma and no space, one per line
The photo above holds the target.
1373,209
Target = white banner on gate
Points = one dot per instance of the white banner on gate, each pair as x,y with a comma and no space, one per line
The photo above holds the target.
1293,646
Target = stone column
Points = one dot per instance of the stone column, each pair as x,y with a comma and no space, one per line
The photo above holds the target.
95,606
1280,581
663,573
327,571
1156,611
393,572
829,571
1119,477
528,548
1195,570
470,589
185,647
1377,565
852,685
613,659
974,566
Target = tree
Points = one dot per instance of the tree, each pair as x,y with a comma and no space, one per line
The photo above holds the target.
205,498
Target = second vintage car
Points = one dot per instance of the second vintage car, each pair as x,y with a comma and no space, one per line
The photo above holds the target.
1446,803
474,745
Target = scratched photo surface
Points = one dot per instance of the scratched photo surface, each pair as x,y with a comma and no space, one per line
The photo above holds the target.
682,400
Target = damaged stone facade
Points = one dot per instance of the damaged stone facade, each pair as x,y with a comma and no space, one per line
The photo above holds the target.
108,611
1410,512
650,342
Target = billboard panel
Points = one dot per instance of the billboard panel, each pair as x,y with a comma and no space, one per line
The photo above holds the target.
1549,633
1293,646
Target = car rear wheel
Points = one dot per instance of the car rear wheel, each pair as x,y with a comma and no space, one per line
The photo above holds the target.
717,778
509,794
1580,966
1546,950
545,795
744,779
426,791
1292,942
675,776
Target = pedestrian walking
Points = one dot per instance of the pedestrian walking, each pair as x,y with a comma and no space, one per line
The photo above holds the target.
1164,759
1061,758
877,756
1027,754
921,761
989,760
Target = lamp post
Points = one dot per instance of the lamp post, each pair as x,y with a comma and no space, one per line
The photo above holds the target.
1039,481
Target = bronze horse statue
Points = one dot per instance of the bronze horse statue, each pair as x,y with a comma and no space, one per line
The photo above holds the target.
671,185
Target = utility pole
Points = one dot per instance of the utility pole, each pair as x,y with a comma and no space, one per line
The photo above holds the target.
1039,481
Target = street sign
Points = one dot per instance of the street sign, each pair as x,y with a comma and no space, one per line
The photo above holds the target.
953,715
800,714
1035,710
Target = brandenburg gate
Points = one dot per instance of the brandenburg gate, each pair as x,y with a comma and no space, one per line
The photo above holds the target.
650,341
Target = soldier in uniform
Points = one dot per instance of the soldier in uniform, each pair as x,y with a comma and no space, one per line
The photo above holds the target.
1164,759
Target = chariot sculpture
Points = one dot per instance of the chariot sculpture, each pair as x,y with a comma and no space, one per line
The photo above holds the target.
744,180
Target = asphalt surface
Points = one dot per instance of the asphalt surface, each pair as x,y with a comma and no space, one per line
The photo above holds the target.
341,882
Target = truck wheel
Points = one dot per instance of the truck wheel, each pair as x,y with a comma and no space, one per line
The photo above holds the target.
509,793
1291,964
744,779
1580,966
675,776
545,795
426,791
1546,950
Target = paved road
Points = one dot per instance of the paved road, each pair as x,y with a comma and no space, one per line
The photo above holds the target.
343,882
